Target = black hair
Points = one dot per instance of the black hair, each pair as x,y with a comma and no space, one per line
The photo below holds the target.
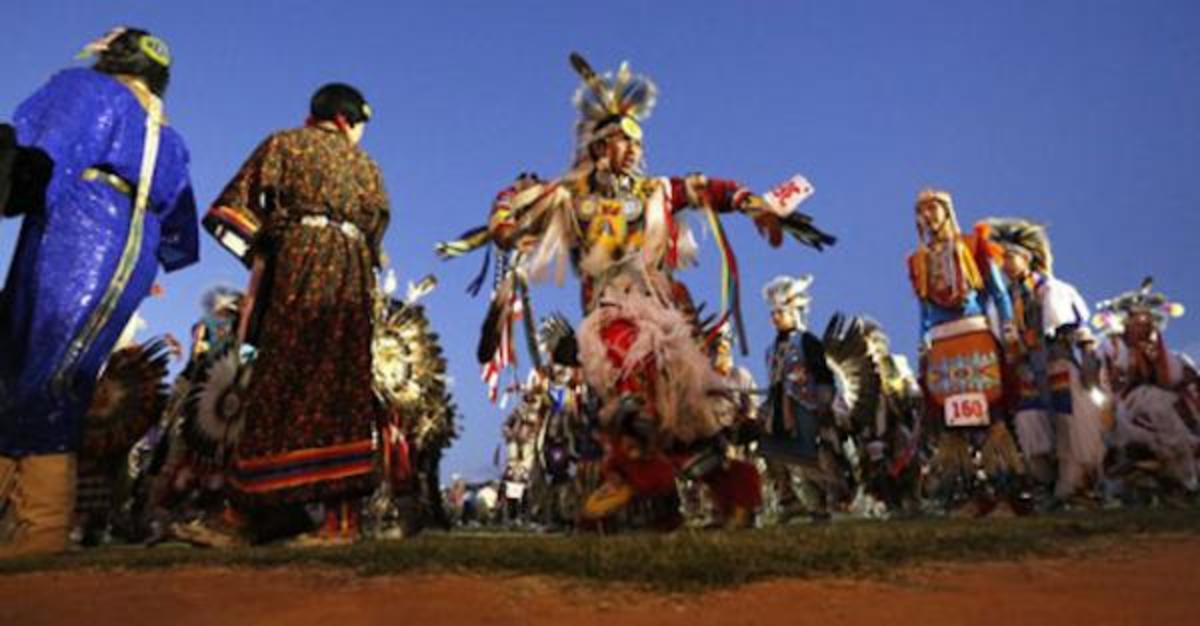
336,99
126,55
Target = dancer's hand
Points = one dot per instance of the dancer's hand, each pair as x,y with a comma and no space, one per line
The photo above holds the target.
770,227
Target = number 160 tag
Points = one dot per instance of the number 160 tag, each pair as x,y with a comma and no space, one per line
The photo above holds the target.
967,409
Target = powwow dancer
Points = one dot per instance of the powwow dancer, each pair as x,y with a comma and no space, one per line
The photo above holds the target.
307,212
1157,390
619,228
893,458
955,277
410,375
540,432
562,425
1056,420
128,402
870,440
117,204
520,433
190,460
799,441
723,465
738,413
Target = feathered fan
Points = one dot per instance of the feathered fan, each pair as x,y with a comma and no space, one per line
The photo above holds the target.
128,400
212,413
856,372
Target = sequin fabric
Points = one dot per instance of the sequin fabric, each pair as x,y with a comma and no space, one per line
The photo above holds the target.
67,255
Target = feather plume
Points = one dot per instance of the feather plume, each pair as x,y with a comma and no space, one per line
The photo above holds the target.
600,98
1111,314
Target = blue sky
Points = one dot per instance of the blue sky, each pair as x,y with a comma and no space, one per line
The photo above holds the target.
1084,115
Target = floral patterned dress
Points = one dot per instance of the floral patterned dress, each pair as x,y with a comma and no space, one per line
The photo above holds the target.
311,204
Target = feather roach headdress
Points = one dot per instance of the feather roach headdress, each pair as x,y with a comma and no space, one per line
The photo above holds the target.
1111,314
785,293
220,298
610,103
1024,237
788,293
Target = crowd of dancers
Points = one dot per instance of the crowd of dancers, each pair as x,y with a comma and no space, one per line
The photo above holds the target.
314,409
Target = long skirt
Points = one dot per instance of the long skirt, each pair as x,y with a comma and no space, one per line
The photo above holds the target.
311,413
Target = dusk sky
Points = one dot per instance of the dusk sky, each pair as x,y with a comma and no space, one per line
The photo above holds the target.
1083,115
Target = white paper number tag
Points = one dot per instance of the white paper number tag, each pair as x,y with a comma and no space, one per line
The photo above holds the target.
967,409
785,197
514,490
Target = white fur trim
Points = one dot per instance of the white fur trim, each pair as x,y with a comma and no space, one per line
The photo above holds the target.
681,400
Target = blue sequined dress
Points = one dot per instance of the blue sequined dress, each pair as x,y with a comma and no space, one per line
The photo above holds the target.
67,256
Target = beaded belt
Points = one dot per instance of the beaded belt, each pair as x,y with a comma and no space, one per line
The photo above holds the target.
320,221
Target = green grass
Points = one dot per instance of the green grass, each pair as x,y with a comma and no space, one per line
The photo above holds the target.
678,562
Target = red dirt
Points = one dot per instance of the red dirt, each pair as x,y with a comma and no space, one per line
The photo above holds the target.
1154,583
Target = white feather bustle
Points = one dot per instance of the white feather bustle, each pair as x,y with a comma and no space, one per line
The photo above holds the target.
685,374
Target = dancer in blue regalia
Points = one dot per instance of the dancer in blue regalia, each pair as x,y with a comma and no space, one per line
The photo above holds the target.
117,204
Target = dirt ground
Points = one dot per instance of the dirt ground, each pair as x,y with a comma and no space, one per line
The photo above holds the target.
1154,583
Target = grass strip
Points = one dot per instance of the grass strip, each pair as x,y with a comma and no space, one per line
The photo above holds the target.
683,561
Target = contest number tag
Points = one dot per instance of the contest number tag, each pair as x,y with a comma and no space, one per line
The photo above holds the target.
783,199
514,489
967,409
